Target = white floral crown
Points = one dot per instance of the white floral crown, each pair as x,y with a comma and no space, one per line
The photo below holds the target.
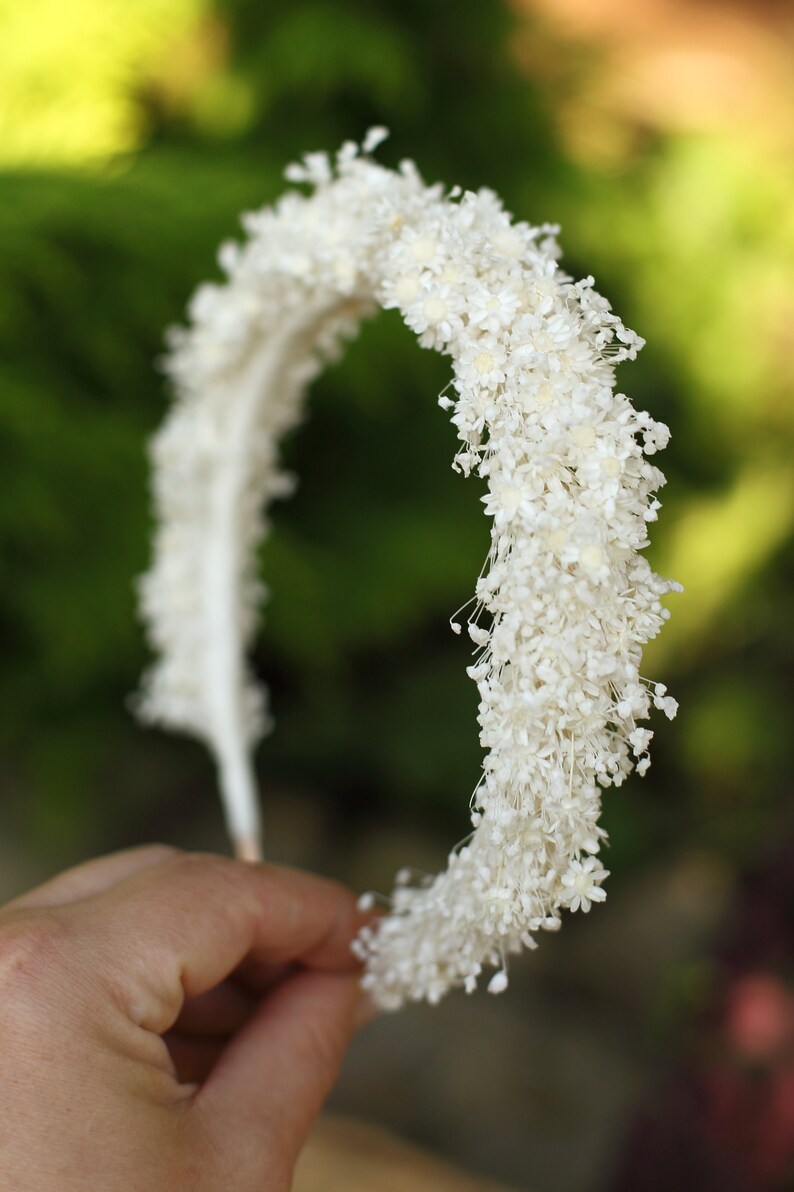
564,602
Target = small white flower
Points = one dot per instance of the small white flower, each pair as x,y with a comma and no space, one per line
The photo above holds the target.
582,884
482,364
508,499
492,310
406,289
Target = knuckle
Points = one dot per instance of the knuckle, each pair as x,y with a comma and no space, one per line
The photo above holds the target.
28,942
196,863
205,879
31,954
205,870
158,853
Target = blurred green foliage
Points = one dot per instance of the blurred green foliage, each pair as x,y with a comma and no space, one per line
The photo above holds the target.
158,124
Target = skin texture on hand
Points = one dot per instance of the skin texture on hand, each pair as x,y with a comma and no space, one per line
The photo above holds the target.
171,1021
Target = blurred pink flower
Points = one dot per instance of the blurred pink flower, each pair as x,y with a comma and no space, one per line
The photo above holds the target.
759,1016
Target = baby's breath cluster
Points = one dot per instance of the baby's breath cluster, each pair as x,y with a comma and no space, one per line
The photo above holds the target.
565,601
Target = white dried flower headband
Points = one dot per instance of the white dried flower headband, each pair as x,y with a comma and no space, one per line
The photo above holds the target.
568,602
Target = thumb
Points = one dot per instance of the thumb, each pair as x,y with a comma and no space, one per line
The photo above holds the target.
270,1083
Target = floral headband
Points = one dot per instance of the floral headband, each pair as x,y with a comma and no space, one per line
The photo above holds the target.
564,603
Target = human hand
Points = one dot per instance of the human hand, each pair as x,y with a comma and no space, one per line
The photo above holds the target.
170,1021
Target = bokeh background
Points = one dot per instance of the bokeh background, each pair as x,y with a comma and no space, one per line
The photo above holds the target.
650,1045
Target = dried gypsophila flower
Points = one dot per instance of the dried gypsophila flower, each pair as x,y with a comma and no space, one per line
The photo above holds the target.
564,602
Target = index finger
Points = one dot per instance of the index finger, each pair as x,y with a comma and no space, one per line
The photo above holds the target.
177,929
